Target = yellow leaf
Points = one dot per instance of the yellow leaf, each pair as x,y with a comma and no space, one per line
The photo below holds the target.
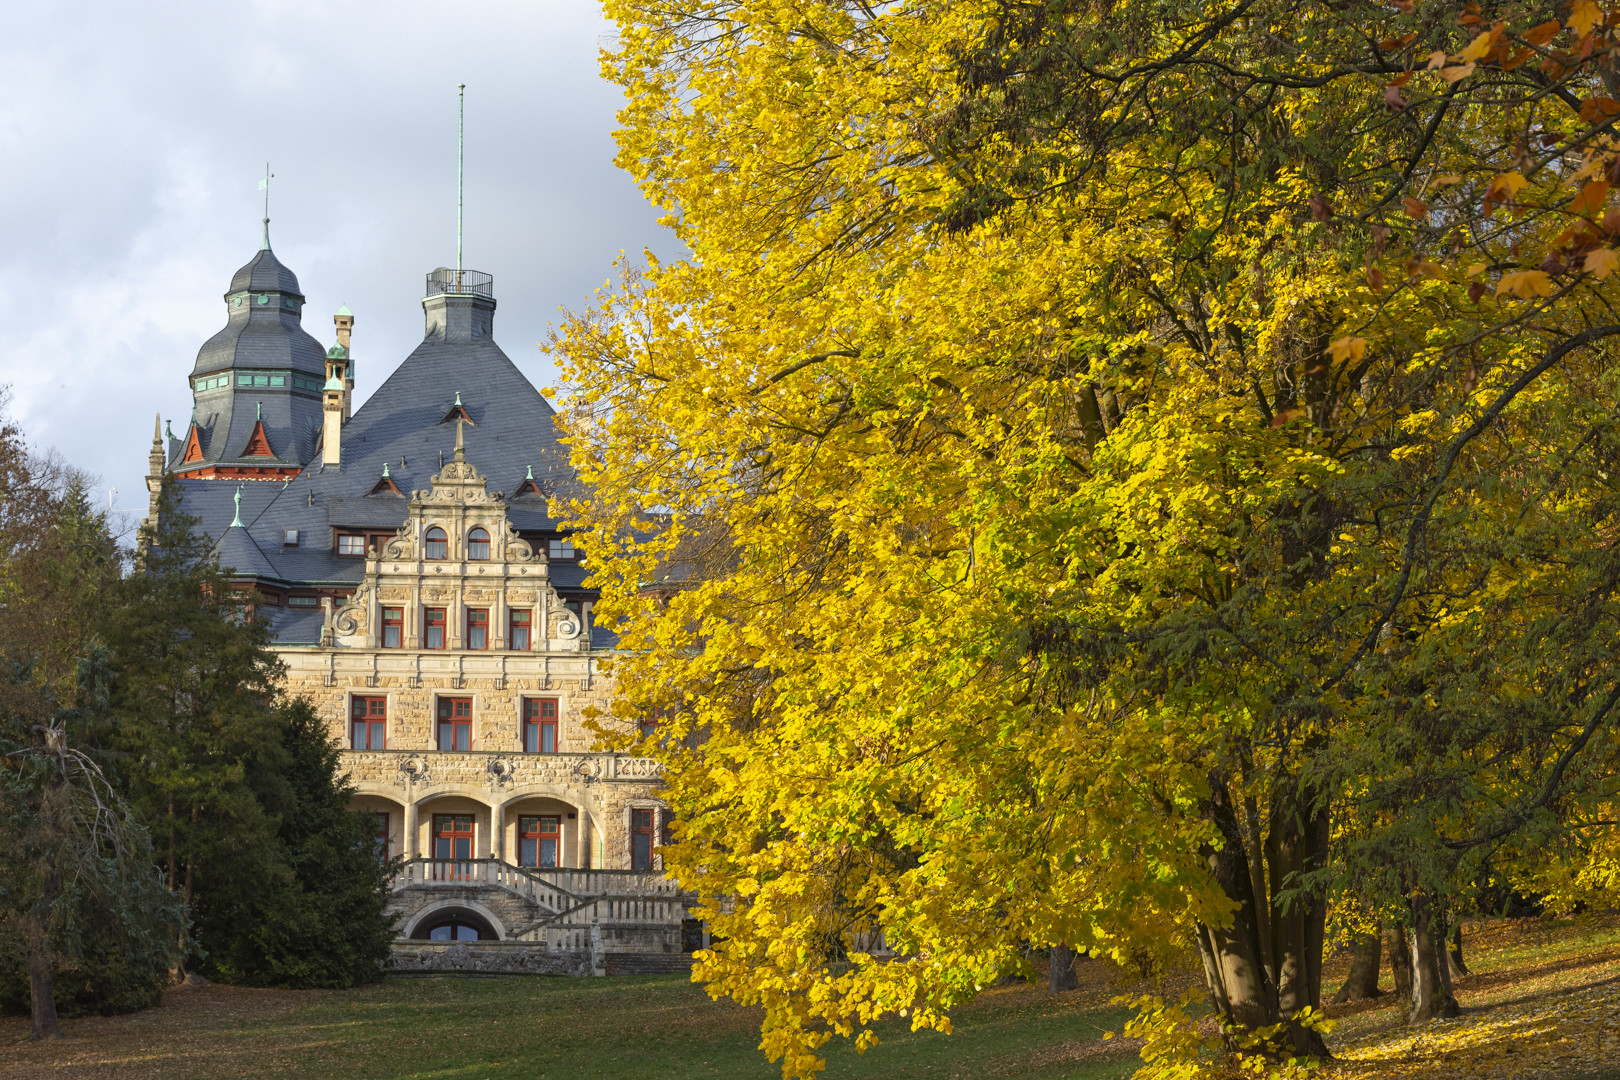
1446,179
1437,59
1505,186
1478,47
1453,74
1601,263
1476,269
1525,284
1347,348
1583,15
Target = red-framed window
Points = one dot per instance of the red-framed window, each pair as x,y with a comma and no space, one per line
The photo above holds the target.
393,627
540,725
455,723
453,837
518,636
368,723
433,628
438,544
380,837
477,628
539,840
641,839
648,723
478,545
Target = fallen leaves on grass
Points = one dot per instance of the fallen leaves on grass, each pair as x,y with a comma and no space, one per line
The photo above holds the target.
1573,1036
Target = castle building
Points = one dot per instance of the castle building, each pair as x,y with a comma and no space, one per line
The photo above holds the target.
426,600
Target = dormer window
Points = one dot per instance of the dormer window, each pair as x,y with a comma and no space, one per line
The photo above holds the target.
561,549
438,545
478,545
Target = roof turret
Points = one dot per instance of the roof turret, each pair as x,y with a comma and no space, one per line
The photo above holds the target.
265,273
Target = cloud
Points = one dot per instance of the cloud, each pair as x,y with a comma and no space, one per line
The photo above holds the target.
134,137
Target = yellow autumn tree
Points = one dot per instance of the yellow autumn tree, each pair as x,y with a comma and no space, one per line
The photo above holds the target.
1107,475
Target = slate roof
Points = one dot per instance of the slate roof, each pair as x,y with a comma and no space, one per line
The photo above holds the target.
237,552
511,432
265,273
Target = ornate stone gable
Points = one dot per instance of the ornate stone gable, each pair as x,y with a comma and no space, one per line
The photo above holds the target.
457,552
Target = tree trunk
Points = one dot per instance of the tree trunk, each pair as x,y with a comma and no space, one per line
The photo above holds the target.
1233,959
1061,975
1455,955
1400,965
42,962
1294,847
1255,850
1362,982
1430,996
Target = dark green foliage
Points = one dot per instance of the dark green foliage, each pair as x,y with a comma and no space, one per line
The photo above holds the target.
316,918
77,880
239,788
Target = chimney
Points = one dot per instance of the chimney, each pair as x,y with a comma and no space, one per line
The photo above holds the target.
334,396
344,321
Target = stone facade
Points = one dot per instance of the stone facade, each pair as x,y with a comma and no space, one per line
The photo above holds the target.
484,771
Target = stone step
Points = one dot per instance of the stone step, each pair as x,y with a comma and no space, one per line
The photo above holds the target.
622,963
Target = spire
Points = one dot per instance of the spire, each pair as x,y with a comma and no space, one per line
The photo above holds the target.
461,163
236,521
157,429
461,451
264,186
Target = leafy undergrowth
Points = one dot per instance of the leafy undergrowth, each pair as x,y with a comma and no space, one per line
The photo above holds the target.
1543,1001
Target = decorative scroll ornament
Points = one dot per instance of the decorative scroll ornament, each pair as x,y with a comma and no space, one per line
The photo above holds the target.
414,770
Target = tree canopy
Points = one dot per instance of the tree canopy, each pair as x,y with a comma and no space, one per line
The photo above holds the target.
1119,475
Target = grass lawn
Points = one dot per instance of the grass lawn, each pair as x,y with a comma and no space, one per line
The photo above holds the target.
552,1028
1543,1002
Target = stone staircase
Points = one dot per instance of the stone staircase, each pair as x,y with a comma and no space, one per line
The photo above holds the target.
553,921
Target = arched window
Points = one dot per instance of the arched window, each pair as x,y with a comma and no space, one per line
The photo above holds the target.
438,546
478,545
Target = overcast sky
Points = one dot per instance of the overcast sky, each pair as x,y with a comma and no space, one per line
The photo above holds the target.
133,137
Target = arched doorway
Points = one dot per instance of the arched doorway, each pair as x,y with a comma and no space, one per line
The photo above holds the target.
454,924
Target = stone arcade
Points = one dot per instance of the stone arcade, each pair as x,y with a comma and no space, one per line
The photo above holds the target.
442,628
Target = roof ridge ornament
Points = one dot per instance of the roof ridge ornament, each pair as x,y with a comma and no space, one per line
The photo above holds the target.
236,522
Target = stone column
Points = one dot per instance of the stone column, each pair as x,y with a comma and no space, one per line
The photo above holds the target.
411,839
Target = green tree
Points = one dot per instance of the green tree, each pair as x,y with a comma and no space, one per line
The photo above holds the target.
239,787
85,922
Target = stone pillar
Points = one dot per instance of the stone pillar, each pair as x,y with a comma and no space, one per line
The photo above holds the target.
412,840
